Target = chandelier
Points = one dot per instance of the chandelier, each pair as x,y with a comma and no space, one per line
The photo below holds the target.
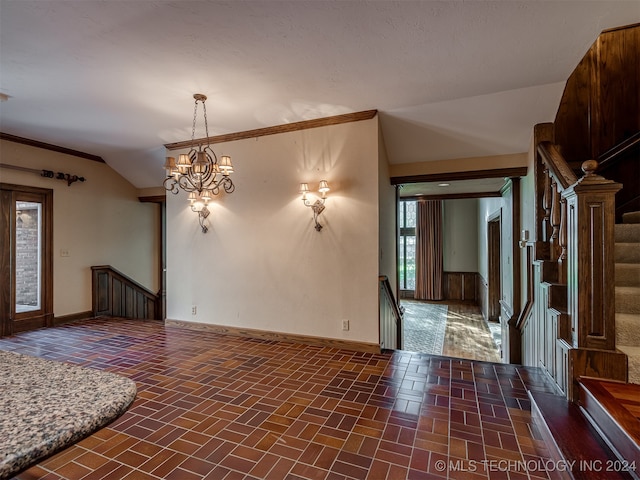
199,172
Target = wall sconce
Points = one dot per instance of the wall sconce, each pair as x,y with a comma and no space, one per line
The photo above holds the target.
199,204
318,205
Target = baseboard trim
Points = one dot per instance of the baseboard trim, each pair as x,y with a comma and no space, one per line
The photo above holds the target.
277,336
72,318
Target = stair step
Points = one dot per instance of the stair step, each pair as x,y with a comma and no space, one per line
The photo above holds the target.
633,357
628,274
631,217
628,329
571,438
627,232
626,252
614,408
628,300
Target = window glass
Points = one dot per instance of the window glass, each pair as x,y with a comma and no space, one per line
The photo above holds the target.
28,256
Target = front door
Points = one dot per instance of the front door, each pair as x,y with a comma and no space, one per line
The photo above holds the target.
26,264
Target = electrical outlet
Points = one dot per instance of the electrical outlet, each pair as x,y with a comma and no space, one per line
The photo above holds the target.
65,252
345,325
194,310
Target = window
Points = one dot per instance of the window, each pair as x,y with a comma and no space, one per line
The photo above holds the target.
407,244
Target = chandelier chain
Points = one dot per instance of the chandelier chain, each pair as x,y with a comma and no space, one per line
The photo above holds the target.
195,117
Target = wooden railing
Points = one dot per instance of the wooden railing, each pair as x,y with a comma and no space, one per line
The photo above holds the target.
390,317
620,164
116,295
570,331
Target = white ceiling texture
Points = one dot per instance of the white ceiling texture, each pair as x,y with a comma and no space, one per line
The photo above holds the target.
450,79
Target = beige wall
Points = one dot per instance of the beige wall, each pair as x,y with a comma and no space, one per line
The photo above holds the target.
262,265
459,165
460,224
99,222
388,208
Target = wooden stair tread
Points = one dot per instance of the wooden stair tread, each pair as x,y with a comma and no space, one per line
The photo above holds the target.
615,408
570,436
622,401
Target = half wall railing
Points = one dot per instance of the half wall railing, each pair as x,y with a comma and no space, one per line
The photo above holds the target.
390,317
116,295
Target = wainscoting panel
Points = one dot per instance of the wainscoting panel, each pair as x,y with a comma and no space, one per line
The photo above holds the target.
116,295
460,286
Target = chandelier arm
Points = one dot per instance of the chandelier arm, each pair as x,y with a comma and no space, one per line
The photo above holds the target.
186,183
171,184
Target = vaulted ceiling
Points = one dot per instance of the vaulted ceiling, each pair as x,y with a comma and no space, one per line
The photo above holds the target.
450,79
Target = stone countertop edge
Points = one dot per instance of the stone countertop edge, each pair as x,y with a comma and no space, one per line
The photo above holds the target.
46,406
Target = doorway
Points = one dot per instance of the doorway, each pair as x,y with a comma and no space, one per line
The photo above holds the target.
494,281
26,263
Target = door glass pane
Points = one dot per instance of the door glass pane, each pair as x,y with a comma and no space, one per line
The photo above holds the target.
407,245
28,256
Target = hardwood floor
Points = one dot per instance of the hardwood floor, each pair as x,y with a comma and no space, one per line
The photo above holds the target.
468,336
450,329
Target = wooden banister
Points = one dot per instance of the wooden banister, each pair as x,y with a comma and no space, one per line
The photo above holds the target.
619,151
115,294
390,313
557,166
574,291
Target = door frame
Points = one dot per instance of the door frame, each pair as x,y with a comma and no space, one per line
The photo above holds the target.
10,321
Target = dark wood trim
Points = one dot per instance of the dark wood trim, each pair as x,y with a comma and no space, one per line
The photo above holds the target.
153,199
624,27
277,336
5,261
48,146
468,175
285,128
72,317
453,196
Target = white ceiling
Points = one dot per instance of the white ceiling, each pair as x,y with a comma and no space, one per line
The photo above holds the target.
450,79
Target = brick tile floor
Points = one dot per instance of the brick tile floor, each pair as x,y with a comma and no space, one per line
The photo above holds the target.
218,407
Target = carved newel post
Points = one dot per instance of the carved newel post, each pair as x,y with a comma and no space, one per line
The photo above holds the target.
590,208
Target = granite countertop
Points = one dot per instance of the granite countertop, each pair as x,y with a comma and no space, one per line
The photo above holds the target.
46,406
